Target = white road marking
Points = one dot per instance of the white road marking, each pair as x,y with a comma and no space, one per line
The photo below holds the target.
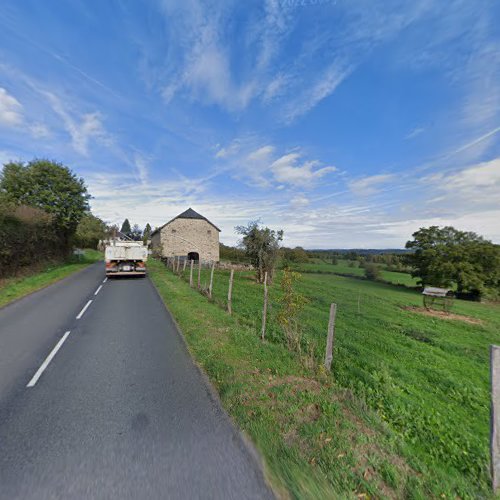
98,290
48,359
82,312
104,280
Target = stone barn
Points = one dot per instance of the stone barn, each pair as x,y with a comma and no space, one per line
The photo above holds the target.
189,235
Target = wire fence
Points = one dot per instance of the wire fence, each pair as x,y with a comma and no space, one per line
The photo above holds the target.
233,287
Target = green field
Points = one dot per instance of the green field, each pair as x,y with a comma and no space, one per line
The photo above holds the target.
351,268
425,378
17,287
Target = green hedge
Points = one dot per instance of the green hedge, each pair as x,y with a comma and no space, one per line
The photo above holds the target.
27,236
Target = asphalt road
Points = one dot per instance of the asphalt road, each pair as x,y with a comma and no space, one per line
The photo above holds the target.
120,411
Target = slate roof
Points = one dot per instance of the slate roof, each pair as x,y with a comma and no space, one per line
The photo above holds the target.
188,214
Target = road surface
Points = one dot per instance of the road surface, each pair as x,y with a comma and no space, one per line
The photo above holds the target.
113,409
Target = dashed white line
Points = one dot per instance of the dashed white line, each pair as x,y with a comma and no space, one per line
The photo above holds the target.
82,312
98,290
104,280
48,359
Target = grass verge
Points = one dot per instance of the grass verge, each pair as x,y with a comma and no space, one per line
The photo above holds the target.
14,288
318,438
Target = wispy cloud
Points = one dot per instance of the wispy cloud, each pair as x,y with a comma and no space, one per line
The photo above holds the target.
203,62
81,129
475,186
230,150
369,185
10,109
331,78
414,133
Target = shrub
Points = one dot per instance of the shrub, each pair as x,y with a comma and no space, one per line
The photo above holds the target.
372,272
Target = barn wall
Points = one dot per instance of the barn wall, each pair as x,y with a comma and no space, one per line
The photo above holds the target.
182,236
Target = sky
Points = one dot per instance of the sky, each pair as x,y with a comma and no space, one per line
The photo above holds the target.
346,123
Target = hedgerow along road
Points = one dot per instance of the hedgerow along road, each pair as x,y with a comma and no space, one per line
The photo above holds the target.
99,398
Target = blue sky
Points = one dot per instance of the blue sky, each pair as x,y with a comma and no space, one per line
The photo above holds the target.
348,123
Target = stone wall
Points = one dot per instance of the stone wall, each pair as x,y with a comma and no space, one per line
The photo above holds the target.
156,242
182,236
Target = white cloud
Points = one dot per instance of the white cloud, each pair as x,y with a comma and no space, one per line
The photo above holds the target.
261,154
288,170
367,186
260,166
476,185
10,109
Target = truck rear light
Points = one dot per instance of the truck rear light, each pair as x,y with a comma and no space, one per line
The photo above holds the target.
110,265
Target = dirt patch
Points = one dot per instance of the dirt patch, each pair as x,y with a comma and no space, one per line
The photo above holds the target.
444,315
308,414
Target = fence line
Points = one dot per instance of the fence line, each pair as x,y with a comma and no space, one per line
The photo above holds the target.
248,314
230,292
331,337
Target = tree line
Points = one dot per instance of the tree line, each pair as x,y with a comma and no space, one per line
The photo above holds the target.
444,257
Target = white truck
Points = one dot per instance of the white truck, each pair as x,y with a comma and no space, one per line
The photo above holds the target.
125,258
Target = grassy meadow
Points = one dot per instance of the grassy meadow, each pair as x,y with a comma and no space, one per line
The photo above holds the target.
416,386
42,276
345,267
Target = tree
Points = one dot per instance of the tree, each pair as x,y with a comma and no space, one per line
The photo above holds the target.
147,233
136,233
90,231
295,255
126,229
48,186
261,246
447,257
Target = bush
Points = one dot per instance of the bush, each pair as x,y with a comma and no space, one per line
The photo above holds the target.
372,272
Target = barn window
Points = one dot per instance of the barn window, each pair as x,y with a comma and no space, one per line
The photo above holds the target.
174,231
209,231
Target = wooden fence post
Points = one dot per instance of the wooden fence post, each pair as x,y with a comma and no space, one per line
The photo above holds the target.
495,416
331,337
178,263
359,298
230,292
199,273
191,274
211,280
264,310
184,267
